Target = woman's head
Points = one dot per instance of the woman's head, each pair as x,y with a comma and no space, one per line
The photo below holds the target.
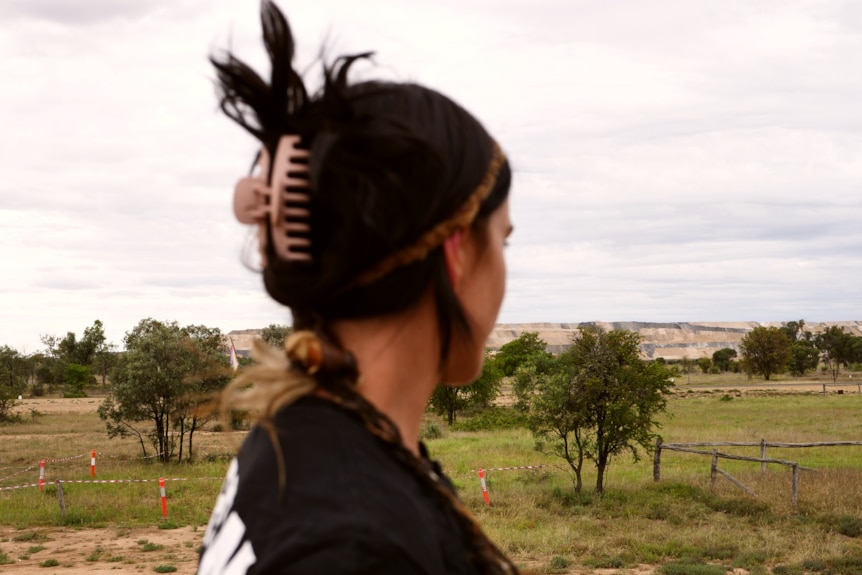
389,162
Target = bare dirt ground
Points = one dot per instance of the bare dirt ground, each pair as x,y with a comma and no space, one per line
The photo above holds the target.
82,551
65,405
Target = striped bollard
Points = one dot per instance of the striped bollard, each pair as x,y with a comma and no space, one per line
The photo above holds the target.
484,487
93,464
41,474
164,498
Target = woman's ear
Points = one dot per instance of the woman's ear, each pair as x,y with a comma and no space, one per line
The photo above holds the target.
454,258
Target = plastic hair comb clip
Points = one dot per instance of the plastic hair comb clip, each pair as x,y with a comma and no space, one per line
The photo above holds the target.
284,202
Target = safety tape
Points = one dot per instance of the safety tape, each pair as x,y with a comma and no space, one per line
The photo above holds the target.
19,486
58,460
61,459
121,458
109,481
515,467
25,470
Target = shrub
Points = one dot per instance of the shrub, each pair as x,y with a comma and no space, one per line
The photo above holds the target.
492,418
431,431
692,569
849,526
787,570
164,568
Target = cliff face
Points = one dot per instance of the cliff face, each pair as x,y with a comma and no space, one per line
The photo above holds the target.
691,340
668,340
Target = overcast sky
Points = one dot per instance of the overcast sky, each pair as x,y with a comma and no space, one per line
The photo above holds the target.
675,161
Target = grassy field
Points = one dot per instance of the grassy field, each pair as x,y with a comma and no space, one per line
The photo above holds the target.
678,526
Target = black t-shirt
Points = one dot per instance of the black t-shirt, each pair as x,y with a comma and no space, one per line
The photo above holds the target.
347,506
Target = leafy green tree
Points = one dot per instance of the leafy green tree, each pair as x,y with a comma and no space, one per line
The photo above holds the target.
13,370
804,356
765,351
836,347
275,334
794,329
558,417
449,400
621,393
76,378
723,357
704,363
163,369
103,351
207,376
600,400
528,348
92,350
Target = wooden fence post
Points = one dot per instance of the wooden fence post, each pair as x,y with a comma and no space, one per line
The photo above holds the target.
794,485
60,497
656,461
713,472
763,455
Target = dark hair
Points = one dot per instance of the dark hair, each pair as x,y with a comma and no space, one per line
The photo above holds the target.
388,162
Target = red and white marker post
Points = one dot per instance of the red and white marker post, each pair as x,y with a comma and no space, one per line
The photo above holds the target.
164,498
93,464
484,487
41,474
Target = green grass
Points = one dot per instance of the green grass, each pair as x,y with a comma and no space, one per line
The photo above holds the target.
679,523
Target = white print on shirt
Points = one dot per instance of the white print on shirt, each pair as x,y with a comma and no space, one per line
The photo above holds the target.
223,536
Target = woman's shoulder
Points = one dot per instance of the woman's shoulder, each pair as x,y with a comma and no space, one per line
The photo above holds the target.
337,496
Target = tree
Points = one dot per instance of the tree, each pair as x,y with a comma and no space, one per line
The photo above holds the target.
765,351
528,348
275,334
804,356
794,329
449,400
600,400
723,357
837,348
13,370
76,378
91,351
704,363
157,379
558,417
207,376
103,351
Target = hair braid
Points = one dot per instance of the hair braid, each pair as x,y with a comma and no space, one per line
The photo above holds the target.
484,555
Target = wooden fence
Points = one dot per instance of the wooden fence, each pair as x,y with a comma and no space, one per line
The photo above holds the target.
716,455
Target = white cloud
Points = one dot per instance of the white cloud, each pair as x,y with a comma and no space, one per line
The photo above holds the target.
675,160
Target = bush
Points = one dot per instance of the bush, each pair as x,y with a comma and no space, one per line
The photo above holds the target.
692,569
492,418
430,431
847,525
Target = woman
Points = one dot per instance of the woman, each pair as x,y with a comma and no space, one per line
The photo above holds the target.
382,215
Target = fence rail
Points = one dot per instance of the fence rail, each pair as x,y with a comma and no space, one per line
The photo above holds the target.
763,460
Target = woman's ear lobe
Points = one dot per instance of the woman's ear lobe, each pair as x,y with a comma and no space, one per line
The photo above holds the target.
454,258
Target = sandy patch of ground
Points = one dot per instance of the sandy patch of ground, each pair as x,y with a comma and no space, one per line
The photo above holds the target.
59,405
82,551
